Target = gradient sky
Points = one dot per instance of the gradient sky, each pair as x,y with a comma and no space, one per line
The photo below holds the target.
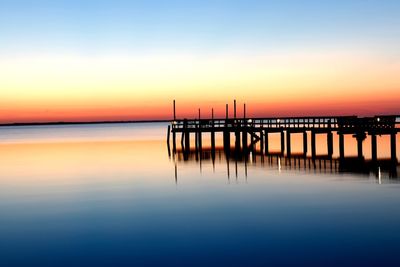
118,60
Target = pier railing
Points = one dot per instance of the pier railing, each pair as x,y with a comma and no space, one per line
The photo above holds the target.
336,123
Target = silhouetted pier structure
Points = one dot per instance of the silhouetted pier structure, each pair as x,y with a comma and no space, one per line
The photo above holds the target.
249,132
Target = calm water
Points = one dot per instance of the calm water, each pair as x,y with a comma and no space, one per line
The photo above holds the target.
110,195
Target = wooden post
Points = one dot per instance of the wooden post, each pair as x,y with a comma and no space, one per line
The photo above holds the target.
183,141
234,109
227,140
373,147
262,141
237,139
252,140
227,137
288,147
199,140
341,145
196,139
174,111
187,141
305,145
282,142
393,146
329,140
359,148
212,132
244,129
187,135
313,144
266,142
360,138
244,139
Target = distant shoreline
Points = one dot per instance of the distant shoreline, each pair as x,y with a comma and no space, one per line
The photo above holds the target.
76,123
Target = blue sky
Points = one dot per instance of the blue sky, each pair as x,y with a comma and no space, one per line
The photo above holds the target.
89,60
196,25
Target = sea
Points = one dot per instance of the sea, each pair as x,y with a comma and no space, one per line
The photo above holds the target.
120,195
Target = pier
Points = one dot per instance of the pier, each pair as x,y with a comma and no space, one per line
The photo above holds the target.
249,133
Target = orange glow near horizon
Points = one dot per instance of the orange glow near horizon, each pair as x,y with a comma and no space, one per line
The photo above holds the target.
141,87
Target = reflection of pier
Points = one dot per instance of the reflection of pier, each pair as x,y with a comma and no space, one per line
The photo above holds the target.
250,132
320,164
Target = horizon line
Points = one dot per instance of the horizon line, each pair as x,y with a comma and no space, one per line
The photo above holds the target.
163,120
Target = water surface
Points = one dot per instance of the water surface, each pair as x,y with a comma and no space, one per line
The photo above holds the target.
112,195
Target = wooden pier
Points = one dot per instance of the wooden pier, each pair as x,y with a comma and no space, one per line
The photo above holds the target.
249,132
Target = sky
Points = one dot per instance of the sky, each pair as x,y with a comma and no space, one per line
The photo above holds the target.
127,60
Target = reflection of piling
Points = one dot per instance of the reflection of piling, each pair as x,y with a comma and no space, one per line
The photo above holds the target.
168,134
174,141
168,145
182,140
295,162
213,140
199,139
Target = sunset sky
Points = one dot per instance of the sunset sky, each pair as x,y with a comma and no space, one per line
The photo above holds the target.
127,60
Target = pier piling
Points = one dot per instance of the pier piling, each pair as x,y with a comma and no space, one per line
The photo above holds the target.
266,142
393,146
288,147
330,143
305,145
313,144
373,147
341,145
